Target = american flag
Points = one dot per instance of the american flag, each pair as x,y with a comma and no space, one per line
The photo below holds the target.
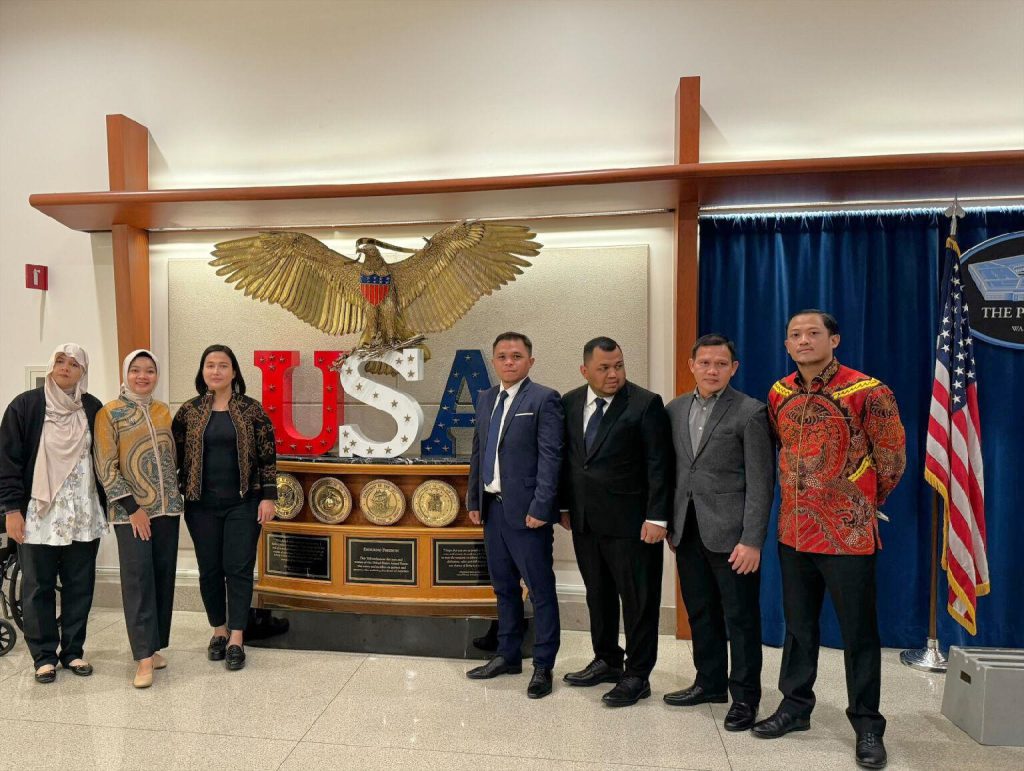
953,464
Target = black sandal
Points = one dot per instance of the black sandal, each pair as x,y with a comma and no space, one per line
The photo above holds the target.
46,676
82,670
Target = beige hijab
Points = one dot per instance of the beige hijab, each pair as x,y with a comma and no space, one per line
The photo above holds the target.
65,431
128,393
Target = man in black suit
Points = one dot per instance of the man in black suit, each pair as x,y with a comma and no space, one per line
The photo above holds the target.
725,481
616,488
513,490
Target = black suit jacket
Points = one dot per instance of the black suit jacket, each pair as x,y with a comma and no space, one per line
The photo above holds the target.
626,477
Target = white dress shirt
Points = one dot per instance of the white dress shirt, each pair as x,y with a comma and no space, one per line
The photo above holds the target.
589,408
495,485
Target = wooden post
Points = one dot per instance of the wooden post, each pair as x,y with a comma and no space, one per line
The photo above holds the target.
128,166
687,150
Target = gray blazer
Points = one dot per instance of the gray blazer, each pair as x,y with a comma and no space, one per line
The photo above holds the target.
731,479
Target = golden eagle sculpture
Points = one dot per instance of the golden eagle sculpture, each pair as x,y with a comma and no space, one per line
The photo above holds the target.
393,304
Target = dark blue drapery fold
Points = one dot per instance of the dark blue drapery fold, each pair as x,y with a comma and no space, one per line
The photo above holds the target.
877,272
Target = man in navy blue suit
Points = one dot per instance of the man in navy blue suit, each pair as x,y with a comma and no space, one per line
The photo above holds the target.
513,490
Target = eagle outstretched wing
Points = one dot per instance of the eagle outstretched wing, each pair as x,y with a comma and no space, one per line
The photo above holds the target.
297,272
458,265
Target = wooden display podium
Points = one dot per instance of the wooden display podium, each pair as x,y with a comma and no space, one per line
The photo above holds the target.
407,563
404,588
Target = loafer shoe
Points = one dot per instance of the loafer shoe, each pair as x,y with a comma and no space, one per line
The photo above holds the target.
234,657
217,648
540,683
493,668
143,679
695,694
780,724
596,672
740,717
871,751
628,691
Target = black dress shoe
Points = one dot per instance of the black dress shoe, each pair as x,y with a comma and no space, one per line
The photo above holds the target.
234,657
215,651
780,724
629,690
540,683
871,751
46,677
493,668
740,717
695,694
82,670
597,671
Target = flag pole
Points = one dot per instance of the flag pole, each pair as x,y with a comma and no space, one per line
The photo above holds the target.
930,658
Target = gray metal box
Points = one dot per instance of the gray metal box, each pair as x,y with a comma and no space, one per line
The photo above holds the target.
984,694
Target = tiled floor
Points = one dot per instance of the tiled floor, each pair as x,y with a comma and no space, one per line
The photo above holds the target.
300,710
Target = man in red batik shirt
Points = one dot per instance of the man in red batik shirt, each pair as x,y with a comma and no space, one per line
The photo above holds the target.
842,451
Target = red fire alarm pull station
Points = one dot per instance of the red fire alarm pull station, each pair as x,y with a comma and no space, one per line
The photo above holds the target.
36,277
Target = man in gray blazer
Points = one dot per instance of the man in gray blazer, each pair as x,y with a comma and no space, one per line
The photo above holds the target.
725,482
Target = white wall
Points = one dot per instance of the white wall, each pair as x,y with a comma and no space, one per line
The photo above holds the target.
239,93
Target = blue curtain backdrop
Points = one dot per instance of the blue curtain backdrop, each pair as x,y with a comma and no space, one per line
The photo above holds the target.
878,273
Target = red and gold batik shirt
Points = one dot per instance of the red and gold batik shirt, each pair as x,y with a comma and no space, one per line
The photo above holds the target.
842,451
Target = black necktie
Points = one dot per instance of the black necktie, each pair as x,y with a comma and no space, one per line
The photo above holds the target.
493,432
594,423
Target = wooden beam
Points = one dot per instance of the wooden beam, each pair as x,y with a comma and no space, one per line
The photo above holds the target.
128,166
916,176
131,289
687,151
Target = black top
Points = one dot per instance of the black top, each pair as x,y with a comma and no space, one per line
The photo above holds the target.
220,458
20,434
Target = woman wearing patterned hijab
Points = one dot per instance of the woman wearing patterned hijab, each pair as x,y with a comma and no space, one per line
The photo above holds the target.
53,508
135,461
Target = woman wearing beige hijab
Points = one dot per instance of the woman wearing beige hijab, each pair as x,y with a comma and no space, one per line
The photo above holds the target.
135,461
54,510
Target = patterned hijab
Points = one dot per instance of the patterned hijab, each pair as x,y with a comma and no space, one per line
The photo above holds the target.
126,392
65,434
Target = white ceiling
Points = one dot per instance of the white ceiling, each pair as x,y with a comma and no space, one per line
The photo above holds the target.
278,92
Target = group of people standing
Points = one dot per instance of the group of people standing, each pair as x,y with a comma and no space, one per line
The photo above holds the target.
70,465
624,472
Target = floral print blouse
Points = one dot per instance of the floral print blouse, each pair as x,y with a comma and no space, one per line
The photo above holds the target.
76,513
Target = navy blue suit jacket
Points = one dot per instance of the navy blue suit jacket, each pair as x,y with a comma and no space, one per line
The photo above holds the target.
529,453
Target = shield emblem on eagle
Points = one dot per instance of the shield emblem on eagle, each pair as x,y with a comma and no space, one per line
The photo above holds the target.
374,288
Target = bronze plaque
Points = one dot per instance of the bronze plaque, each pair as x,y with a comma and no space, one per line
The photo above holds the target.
385,561
435,503
330,500
382,502
289,497
460,562
295,555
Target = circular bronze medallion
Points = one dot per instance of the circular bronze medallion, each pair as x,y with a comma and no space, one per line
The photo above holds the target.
330,500
382,502
435,503
289,497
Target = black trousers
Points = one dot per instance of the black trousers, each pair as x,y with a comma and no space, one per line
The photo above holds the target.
225,536
147,583
850,580
724,609
75,565
628,569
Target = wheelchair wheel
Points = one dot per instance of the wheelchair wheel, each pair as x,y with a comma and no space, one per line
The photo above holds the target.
14,593
8,636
